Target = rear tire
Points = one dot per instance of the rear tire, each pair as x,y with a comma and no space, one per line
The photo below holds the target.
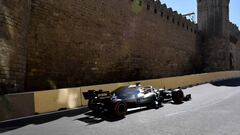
90,101
95,109
120,109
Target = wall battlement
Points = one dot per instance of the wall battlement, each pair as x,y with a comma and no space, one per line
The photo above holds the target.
234,30
156,7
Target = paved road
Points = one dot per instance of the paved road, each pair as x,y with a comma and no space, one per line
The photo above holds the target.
214,110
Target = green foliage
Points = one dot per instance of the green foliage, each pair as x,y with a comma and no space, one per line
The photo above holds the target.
137,6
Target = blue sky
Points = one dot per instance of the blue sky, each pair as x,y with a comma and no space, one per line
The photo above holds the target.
188,6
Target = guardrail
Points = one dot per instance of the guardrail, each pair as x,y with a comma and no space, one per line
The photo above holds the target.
26,104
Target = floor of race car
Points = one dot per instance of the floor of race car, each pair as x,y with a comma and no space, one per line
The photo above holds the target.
213,110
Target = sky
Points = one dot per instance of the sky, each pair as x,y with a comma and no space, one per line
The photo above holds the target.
188,6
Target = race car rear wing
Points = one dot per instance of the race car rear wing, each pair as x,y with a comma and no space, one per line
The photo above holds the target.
93,94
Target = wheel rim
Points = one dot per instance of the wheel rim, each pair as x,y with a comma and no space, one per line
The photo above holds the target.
120,109
157,104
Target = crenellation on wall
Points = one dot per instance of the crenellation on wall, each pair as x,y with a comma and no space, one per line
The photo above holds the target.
167,13
164,6
170,10
234,30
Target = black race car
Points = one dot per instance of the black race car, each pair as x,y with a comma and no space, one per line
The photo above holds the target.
118,101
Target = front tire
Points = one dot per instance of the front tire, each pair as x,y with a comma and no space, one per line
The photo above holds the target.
177,96
157,102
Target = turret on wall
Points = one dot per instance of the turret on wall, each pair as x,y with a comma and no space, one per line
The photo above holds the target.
14,16
213,20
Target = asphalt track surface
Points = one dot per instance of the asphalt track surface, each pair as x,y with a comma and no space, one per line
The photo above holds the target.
214,110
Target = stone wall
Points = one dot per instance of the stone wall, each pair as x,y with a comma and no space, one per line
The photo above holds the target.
213,24
14,18
235,45
216,54
83,42
237,54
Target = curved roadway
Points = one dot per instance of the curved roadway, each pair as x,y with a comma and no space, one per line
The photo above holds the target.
214,110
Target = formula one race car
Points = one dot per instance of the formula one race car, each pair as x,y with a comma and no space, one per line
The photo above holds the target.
132,96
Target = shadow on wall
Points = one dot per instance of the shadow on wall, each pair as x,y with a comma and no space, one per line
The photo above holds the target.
13,28
40,82
4,55
197,59
230,83
41,119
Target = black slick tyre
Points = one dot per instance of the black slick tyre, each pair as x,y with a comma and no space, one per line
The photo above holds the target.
177,96
157,102
90,106
120,109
